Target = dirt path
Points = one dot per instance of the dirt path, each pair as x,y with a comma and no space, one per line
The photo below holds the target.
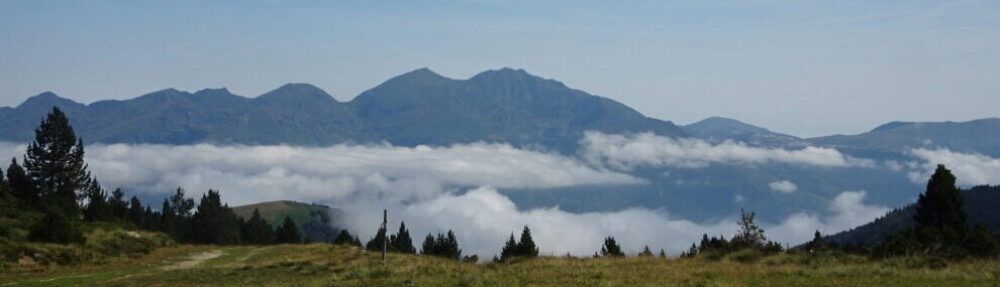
194,260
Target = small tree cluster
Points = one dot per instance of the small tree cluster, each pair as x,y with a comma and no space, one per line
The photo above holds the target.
345,238
399,242
611,248
444,245
520,248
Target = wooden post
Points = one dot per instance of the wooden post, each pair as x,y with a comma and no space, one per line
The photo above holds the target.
385,240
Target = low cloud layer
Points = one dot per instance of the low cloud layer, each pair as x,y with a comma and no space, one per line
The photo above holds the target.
436,189
625,152
783,186
969,169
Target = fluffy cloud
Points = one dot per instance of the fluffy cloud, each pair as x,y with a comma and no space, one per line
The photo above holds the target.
783,186
424,187
483,218
248,174
625,152
969,169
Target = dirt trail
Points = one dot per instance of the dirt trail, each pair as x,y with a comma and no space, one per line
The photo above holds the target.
194,260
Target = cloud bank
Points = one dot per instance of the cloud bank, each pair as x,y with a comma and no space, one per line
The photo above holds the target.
625,152
434,190
969,169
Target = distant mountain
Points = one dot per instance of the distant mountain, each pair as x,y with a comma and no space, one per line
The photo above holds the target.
419,107
980,205
977,136
719,129
316,222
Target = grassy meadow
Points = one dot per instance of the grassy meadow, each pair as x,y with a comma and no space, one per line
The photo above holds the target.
329,265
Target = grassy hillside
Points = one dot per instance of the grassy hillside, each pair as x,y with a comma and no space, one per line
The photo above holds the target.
328,265
315,221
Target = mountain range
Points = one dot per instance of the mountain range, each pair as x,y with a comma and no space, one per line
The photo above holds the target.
419,107
512,106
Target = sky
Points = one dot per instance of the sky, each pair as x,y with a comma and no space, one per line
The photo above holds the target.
806,68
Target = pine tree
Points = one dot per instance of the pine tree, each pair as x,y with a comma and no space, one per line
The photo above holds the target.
213,222
377,242
20,184
429,247
526,246
646,252
611,248
257,231
941,220
816,244
54,162
288,232
345,238
135,211
98,208
510,249
118,205
401,241
663,254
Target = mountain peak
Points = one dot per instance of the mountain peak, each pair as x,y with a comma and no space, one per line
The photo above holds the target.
891,125
296,92
726,124
47,100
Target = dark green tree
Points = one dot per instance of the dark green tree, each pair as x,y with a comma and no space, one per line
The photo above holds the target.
288,232
345,238
444,245
526,246
118,205
817,243
510,249
56,228
750,235
980,242
257,231
377,242
20,184
54,162
135,211
646,252
941,220
97,208
663,254
611,248
401,241
214,222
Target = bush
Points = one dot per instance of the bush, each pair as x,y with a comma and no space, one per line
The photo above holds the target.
120,242
746,255
55,228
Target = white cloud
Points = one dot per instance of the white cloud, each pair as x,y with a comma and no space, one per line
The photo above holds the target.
625,152
783,186
247,174
423,187
969,169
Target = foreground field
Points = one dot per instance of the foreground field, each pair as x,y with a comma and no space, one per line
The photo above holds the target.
326,265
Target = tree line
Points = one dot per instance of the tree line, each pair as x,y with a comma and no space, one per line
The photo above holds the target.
53,183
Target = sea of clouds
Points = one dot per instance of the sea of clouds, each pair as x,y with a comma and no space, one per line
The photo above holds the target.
435,189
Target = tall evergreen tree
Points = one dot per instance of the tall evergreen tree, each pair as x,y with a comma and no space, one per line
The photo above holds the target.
646,252
379,241
510,249
97,208
214,222
345,238
118,204
941,220
611,248
257,231
401,241
526,246
288,232
135,211
54,162
21,185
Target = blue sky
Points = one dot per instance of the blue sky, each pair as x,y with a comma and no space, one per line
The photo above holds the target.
802,67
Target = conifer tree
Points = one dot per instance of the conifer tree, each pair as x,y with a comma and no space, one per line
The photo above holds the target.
118,204
214,222
257,231
345,238
646,252
20,184
376,243
941,220
401,241
526,246
54,162
510,249
135,211
611,248
663,254
288,232
98,208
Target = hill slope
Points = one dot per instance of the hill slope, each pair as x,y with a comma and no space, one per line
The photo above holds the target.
967,137
980,204
316,222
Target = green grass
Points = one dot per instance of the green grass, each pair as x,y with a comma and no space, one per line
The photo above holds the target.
327,265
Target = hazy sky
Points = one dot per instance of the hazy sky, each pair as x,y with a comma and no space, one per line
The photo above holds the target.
802,67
